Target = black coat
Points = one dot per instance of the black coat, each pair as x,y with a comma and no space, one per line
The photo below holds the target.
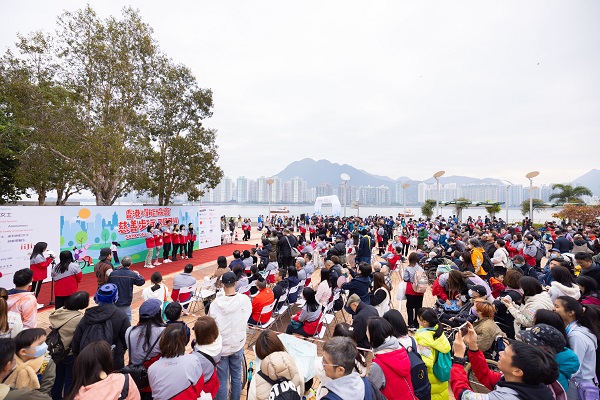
285,248
359,323
563,244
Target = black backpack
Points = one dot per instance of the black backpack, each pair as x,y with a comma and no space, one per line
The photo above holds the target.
418,373
281,389
100,332
487,263
56,348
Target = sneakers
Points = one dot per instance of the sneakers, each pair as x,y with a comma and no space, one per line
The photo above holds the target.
166,260
148,266
156,263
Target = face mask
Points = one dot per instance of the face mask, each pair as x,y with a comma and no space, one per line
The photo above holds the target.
519,265
470,293
553,256
39,350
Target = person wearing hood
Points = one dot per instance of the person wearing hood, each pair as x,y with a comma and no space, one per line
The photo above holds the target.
106,310
276,363
590,292
208,344
581,245
176,375
525,371
94,377
339,355
534,298
231,311
65,320
431,340
550,339
582,334
563,284
390,370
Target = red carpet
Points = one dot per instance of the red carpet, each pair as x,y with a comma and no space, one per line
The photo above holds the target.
200,257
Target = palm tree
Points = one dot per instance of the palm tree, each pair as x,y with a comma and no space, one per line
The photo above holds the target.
569,194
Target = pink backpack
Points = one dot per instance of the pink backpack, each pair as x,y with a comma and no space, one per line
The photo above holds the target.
420,281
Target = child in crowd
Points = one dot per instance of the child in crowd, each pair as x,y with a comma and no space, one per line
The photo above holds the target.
35,369
173,313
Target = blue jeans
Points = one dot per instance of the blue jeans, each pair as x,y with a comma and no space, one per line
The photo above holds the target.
230,366
64,378
127,310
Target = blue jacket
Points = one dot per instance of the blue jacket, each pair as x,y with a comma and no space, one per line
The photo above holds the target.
359,285
125,278
292,281
364,249
568,364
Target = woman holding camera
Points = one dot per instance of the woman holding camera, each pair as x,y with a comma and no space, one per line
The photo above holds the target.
39,263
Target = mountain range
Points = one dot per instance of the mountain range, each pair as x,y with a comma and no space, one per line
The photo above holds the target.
320,172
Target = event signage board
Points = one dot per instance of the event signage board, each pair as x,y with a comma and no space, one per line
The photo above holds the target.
20,229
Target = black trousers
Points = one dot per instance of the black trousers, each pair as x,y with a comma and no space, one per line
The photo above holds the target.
413,303
36,286
166,250
190,249
59,301
174,253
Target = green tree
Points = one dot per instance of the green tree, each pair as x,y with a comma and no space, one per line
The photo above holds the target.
81,237
537,206
460,204
428,207
113,236
105,235
493,209
11,146
181,155
569,194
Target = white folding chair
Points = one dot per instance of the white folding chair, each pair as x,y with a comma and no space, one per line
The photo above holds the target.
207,290
300,301
283,302
265,310
324,321
193,297
244,289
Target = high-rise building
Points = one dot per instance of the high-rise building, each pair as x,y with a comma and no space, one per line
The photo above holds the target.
297,190
324,190
242,189
480,192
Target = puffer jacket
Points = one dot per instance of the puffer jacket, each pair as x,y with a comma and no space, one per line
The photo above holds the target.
428,347
276,365
525,312
558,289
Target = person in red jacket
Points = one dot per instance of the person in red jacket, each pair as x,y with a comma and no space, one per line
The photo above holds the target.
149,246
264,298
390,370
175,240
166,230
39,263
191,239
66,276
525,371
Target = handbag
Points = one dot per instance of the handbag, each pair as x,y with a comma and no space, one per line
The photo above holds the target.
295,251
401,295
138,372
587,391
295,324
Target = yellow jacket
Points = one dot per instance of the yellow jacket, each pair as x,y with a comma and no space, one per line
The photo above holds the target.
428,347
477,260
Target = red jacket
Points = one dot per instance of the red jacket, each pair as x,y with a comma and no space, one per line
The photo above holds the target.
150,241
68,285
166,237
262,299
458,376
396,369
175,238
496,287
40,269
437,290
158,240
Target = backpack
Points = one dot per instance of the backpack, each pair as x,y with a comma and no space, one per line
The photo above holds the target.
56,348
487,263
420,281
540,251
418,372
509,262
100,332
442,366
281,389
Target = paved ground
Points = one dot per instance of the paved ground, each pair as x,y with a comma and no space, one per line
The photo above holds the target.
203,270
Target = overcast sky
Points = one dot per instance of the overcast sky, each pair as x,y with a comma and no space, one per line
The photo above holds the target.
477,88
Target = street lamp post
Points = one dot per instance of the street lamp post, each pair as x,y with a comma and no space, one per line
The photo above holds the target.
530,176
270,183
404,187
345,177
437,177
508,184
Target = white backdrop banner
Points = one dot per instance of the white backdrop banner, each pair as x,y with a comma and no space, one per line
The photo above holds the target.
20,229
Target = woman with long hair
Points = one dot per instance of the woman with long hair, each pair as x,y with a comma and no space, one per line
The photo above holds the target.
66,276
39,263
94,377
306,321
175,240
143,339
65,321
150,244
324,289
183,242
590,291
400,328
563,284
414,300
583,330
10,321
381,297
431,340
534,298
513,290
176,375
390,370
276,363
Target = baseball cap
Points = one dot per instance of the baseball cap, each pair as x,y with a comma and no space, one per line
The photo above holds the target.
104,253
228,278
555,249
150,308
480,289
544,335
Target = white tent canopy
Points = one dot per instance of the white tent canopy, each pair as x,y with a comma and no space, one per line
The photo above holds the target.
333,200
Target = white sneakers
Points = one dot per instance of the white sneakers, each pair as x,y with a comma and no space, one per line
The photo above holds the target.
156,263
166,260
148,266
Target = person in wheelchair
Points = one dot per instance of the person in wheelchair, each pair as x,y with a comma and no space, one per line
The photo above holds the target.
465,312
485,327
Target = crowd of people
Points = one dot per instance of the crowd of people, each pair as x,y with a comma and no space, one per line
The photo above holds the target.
523,298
